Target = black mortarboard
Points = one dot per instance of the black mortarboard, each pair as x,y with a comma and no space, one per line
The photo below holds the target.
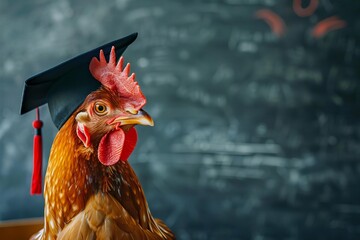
63,88
66,86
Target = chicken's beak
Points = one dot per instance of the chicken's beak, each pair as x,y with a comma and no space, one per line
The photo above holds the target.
141,118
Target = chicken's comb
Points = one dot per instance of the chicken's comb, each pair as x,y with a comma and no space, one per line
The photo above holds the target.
113,76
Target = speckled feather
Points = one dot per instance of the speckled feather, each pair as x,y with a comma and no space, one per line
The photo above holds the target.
87,200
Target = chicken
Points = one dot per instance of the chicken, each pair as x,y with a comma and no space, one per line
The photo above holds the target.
91,191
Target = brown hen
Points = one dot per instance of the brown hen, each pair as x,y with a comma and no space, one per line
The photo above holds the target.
91,191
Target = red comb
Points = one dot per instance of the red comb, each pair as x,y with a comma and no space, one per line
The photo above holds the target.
113,76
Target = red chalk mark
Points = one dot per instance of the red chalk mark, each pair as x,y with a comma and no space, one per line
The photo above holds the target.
307,11
275,22
327,25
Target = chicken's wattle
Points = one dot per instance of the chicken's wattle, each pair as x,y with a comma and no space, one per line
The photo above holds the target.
116,145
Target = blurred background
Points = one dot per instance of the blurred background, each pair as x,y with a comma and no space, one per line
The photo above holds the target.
255,102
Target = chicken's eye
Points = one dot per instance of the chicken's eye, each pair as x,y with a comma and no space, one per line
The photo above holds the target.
100,109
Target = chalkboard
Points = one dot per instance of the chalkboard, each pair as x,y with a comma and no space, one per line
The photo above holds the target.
255,102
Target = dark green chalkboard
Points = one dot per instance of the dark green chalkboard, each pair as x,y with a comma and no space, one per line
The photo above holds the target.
256,108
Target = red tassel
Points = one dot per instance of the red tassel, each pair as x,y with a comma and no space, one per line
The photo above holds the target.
37,170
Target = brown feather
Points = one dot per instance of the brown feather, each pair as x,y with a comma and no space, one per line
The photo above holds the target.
105,218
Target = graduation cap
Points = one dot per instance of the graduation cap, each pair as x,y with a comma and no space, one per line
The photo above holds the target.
63,87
